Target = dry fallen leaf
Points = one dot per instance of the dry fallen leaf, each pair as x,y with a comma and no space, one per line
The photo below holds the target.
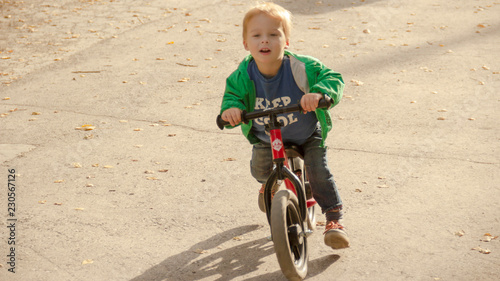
460,233
487,237
58,204
36,113
58,181
357,82
85,127
79,209
149,172
95,165
382,186
481,250
163,171
89,185
151,178
183,80
107,166
42,201
237,238
441,118
229,159
6,98
138,129
200,251
89,261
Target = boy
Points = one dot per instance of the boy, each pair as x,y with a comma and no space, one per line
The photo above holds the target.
272,77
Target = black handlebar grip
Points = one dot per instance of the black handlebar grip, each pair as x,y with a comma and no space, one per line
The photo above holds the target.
221,123
325,102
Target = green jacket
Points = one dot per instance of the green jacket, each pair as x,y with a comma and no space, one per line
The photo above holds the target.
310,75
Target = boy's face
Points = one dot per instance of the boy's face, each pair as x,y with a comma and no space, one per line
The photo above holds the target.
266,40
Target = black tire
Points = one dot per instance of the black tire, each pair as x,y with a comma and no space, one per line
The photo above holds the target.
287,227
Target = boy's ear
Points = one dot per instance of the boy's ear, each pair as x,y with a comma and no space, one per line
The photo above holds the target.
287,44
245,45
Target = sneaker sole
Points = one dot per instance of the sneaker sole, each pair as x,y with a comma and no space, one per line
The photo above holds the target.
262,205
337,239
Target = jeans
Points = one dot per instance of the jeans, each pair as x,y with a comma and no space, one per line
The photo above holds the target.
323,186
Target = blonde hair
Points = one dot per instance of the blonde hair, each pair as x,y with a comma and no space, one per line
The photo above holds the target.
272,10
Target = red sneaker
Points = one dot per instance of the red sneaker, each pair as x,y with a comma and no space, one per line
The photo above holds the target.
262,205
335,235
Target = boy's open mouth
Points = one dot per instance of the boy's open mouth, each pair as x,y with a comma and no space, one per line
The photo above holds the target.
265,50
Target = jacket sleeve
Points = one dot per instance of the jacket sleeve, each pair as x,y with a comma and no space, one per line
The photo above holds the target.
328,82
233,94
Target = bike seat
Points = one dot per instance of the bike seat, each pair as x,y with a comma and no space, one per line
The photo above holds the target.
293,151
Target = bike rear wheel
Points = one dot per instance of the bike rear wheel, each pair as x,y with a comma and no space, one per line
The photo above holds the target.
287,229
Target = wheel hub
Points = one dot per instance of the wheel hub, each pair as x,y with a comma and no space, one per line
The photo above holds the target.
294,235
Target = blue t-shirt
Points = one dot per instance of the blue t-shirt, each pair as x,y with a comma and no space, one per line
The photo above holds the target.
279,91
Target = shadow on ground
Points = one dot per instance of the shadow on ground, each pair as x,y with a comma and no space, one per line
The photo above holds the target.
314,7
225,264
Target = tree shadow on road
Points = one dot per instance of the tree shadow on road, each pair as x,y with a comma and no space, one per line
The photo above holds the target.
209,259
313,7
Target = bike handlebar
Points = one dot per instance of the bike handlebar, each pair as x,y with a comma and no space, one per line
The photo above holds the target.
325,102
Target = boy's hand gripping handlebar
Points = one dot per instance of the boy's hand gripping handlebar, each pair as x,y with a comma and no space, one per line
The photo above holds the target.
325,102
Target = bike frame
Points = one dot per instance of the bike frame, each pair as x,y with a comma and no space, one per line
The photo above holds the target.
282,171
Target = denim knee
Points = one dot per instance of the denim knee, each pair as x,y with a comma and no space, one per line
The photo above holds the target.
261,164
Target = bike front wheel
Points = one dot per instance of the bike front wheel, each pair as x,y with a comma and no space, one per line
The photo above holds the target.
287,229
